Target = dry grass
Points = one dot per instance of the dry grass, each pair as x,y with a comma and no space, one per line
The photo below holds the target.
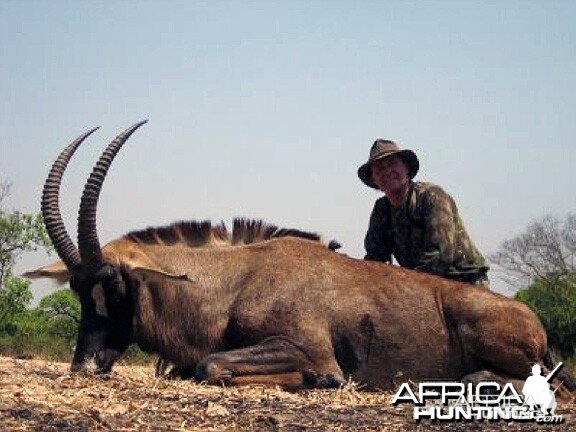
44,396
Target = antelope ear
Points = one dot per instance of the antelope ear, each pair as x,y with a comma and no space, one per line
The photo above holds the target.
133,259
157,271
57,271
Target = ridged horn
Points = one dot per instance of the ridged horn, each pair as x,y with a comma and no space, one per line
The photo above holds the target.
88,243
51,206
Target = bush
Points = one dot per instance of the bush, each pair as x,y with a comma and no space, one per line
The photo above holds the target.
14,299
48,331
554,301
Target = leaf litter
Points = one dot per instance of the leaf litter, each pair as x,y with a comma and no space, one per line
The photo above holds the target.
38,395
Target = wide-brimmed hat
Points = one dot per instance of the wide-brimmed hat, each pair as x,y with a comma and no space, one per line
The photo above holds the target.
382,149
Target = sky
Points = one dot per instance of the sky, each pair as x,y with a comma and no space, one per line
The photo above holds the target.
266,109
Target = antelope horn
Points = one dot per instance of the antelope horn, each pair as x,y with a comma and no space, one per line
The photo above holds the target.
88,243
51,206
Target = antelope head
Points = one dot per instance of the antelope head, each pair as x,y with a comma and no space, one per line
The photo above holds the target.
99,284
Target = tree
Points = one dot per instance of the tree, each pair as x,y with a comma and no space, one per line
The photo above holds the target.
5,186
61,314
19,232
61,304
545,252
540,264
13,302
50,329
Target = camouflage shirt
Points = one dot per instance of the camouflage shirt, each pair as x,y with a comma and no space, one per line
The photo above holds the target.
424,233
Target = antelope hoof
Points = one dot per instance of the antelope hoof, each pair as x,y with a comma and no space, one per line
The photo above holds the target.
315,380
212,373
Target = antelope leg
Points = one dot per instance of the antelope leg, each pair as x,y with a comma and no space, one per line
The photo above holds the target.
274,361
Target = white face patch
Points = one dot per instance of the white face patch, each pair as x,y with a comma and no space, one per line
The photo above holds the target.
100,300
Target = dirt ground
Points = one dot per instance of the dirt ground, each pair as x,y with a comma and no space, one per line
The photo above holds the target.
43,396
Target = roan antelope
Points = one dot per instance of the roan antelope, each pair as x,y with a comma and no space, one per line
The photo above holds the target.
264,305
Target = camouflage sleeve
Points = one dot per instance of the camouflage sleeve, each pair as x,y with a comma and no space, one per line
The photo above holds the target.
375,241
437,254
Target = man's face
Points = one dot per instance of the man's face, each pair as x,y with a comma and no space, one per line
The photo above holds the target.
390,174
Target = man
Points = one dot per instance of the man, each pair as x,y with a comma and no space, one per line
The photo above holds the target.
416,222
536,391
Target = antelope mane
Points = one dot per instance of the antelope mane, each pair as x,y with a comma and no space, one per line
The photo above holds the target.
193,234
199,234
